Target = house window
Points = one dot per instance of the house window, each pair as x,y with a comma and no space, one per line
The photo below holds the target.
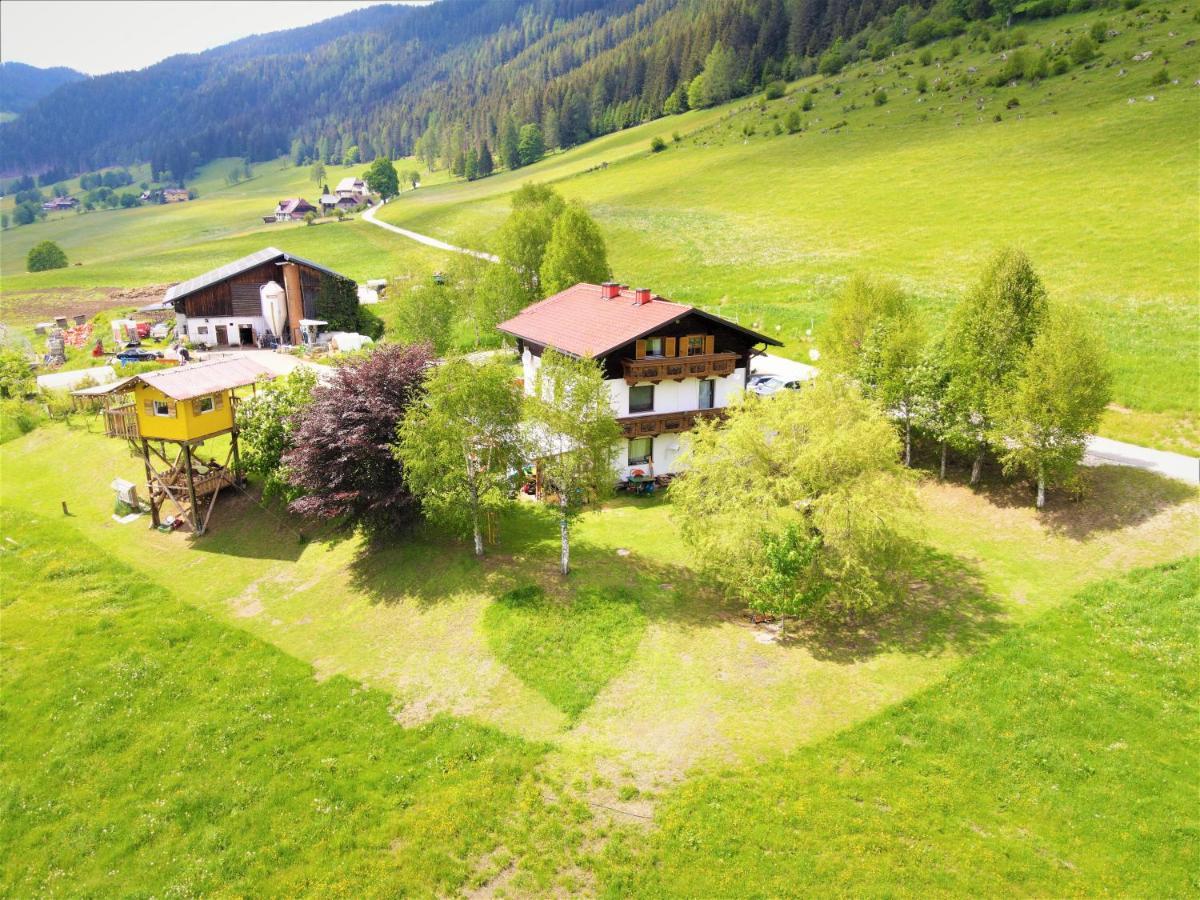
707,393
695,345
640,451
654,346
203,329
162,408
641,398
205,405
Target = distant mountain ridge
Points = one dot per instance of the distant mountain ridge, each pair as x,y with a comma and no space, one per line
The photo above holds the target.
436,79
22,85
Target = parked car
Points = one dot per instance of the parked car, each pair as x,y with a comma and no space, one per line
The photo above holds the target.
766,385
137,355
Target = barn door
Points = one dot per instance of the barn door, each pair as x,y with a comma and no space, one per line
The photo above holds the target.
222,335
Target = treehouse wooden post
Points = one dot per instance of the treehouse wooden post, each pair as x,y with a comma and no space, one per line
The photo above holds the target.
187,406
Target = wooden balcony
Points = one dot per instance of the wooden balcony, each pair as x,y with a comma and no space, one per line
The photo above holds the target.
652,424
677,368
121,421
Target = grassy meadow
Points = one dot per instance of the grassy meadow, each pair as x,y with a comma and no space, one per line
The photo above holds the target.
627,691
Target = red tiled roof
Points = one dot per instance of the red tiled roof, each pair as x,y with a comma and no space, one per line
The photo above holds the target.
579,321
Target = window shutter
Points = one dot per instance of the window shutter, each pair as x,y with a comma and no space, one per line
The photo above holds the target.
148,407
218,401
195,407
668,346
709,343
171,411
639,350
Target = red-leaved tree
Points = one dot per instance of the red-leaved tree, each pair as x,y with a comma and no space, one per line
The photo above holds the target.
342,458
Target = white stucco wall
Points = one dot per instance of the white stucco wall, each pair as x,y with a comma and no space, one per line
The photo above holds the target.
191,327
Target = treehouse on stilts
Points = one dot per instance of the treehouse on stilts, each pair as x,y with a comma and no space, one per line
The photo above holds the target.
169,417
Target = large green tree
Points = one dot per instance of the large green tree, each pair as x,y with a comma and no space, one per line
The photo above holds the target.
573,436
337,303
798,503
526,232
1048,410
382,179
425,314
531,146
575,252
45,255
461,443
989,333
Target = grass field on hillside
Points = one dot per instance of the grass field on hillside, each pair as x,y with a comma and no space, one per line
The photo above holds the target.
1061,762
763,227
416,618
153,749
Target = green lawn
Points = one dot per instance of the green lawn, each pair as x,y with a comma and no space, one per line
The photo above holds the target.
149,750
1060,762
1101,192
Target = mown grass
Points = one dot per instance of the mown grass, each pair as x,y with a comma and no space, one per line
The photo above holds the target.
764,227
567,648
1060,762
149,750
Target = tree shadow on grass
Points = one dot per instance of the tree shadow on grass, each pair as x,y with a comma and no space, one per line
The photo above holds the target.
947,609
1112,498
240,526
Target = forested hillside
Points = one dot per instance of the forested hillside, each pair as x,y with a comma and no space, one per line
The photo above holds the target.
21,85
441,79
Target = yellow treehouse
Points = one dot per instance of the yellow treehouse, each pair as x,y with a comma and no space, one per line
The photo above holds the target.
183,406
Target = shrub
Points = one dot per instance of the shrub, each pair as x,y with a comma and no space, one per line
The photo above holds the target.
775,90
793,121
1099,31
881,98
922,84
1159,78
807,103
17,418
926,57
46,255
923,32
1012,103
1060,66
657,145
1082,49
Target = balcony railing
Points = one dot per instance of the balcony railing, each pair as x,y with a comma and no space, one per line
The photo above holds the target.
677,368
121,421
652,424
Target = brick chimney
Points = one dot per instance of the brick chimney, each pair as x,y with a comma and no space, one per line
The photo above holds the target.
641,296
609,290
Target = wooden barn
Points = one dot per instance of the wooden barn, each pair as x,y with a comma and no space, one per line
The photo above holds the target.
253,301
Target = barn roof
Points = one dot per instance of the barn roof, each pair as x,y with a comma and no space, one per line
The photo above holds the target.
266,255
580,321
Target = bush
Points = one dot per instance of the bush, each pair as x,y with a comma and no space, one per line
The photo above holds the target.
1160,77
793,121
775,90
17,418
1012,103
46,255
657,145
807,104
922,84
923,32
1060,66
881,98
1082,49
926,57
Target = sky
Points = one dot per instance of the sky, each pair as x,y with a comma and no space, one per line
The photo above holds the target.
98,37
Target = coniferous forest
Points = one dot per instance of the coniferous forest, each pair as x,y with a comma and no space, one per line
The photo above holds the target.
440,81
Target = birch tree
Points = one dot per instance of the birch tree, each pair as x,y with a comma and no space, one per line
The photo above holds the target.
989,333
1055,402
574,436
461,443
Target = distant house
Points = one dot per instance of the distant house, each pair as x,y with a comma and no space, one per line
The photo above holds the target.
292,209
250,301
666,364
174,195
60,203
351,192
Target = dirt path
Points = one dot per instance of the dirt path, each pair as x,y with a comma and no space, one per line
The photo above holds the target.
369,216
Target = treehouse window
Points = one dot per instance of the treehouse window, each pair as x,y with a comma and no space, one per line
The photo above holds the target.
640,450
162,408
205,405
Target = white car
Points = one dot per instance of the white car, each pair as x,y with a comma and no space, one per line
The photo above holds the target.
766,385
